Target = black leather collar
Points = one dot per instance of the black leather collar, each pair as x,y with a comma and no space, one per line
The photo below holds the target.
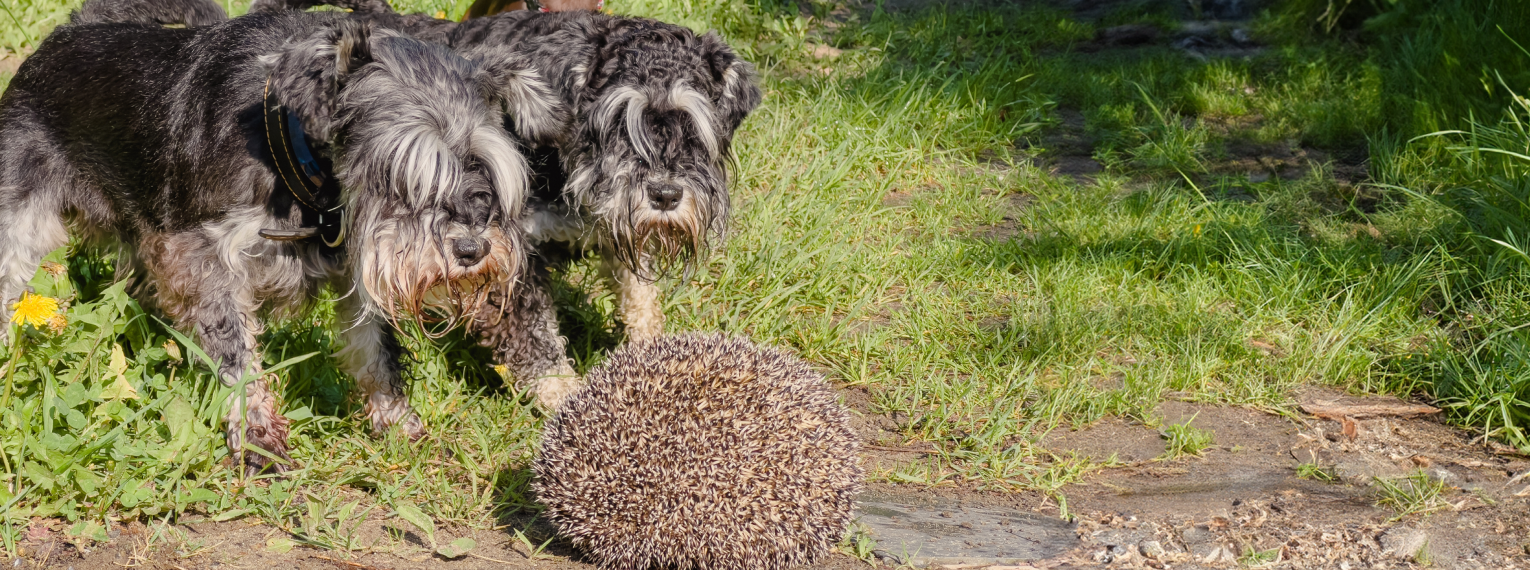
302,173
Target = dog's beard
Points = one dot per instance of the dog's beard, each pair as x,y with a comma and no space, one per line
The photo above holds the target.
654,243
407,270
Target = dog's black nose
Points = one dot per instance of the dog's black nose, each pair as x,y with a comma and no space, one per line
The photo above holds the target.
665,197
469,250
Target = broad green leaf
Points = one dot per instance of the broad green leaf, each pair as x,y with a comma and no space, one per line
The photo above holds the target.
457,548
201,496
39,475
133,494
183,424
73,394
76,420
418,518
52,277
299,414
87,480
280,545
315,514
230,515
119,389
178,415
89,529
60,442
118,363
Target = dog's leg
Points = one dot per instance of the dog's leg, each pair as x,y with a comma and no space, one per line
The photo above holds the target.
29,229
371,356
523,331
226,329
202,280
637,300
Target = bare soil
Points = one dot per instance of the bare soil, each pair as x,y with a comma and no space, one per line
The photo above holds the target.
1240,504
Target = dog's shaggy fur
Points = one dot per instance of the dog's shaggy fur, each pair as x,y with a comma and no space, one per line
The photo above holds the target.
151,138
194,13
639,176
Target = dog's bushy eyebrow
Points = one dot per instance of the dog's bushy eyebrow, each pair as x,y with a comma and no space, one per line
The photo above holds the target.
686,98
631,102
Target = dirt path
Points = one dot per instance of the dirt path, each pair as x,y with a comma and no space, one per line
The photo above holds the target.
1240,504
1243,503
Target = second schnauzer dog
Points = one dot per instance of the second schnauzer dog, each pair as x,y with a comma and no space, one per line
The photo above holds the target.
181,146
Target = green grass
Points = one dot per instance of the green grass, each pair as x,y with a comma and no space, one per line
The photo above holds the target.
1316,472
1182,440
1439,63
1414,494
879,233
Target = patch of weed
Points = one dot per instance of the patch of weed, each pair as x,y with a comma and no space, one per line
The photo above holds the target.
1316,472
858,543
1254,558
1414,494
1184,440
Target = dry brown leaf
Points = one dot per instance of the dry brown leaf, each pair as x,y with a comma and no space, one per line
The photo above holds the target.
1351,428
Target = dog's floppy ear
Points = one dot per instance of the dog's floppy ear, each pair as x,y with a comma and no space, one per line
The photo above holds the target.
739,94
514,87
307,75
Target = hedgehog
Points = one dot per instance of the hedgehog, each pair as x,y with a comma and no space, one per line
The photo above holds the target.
700,451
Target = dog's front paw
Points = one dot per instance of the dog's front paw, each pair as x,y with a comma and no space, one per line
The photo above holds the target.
411,426
556,385
408,423
387,411
272,439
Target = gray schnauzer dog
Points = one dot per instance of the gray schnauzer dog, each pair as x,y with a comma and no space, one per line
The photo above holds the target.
242,166
638,176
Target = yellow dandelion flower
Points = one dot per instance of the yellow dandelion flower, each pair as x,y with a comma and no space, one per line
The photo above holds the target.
503,371
57,323
34,309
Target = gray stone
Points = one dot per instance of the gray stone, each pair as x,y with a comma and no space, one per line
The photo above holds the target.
1196,535
1361,469
1151,549
948,533
1404,542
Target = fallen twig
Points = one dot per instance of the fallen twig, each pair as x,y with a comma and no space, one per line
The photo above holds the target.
345,562
1338,412
897,449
